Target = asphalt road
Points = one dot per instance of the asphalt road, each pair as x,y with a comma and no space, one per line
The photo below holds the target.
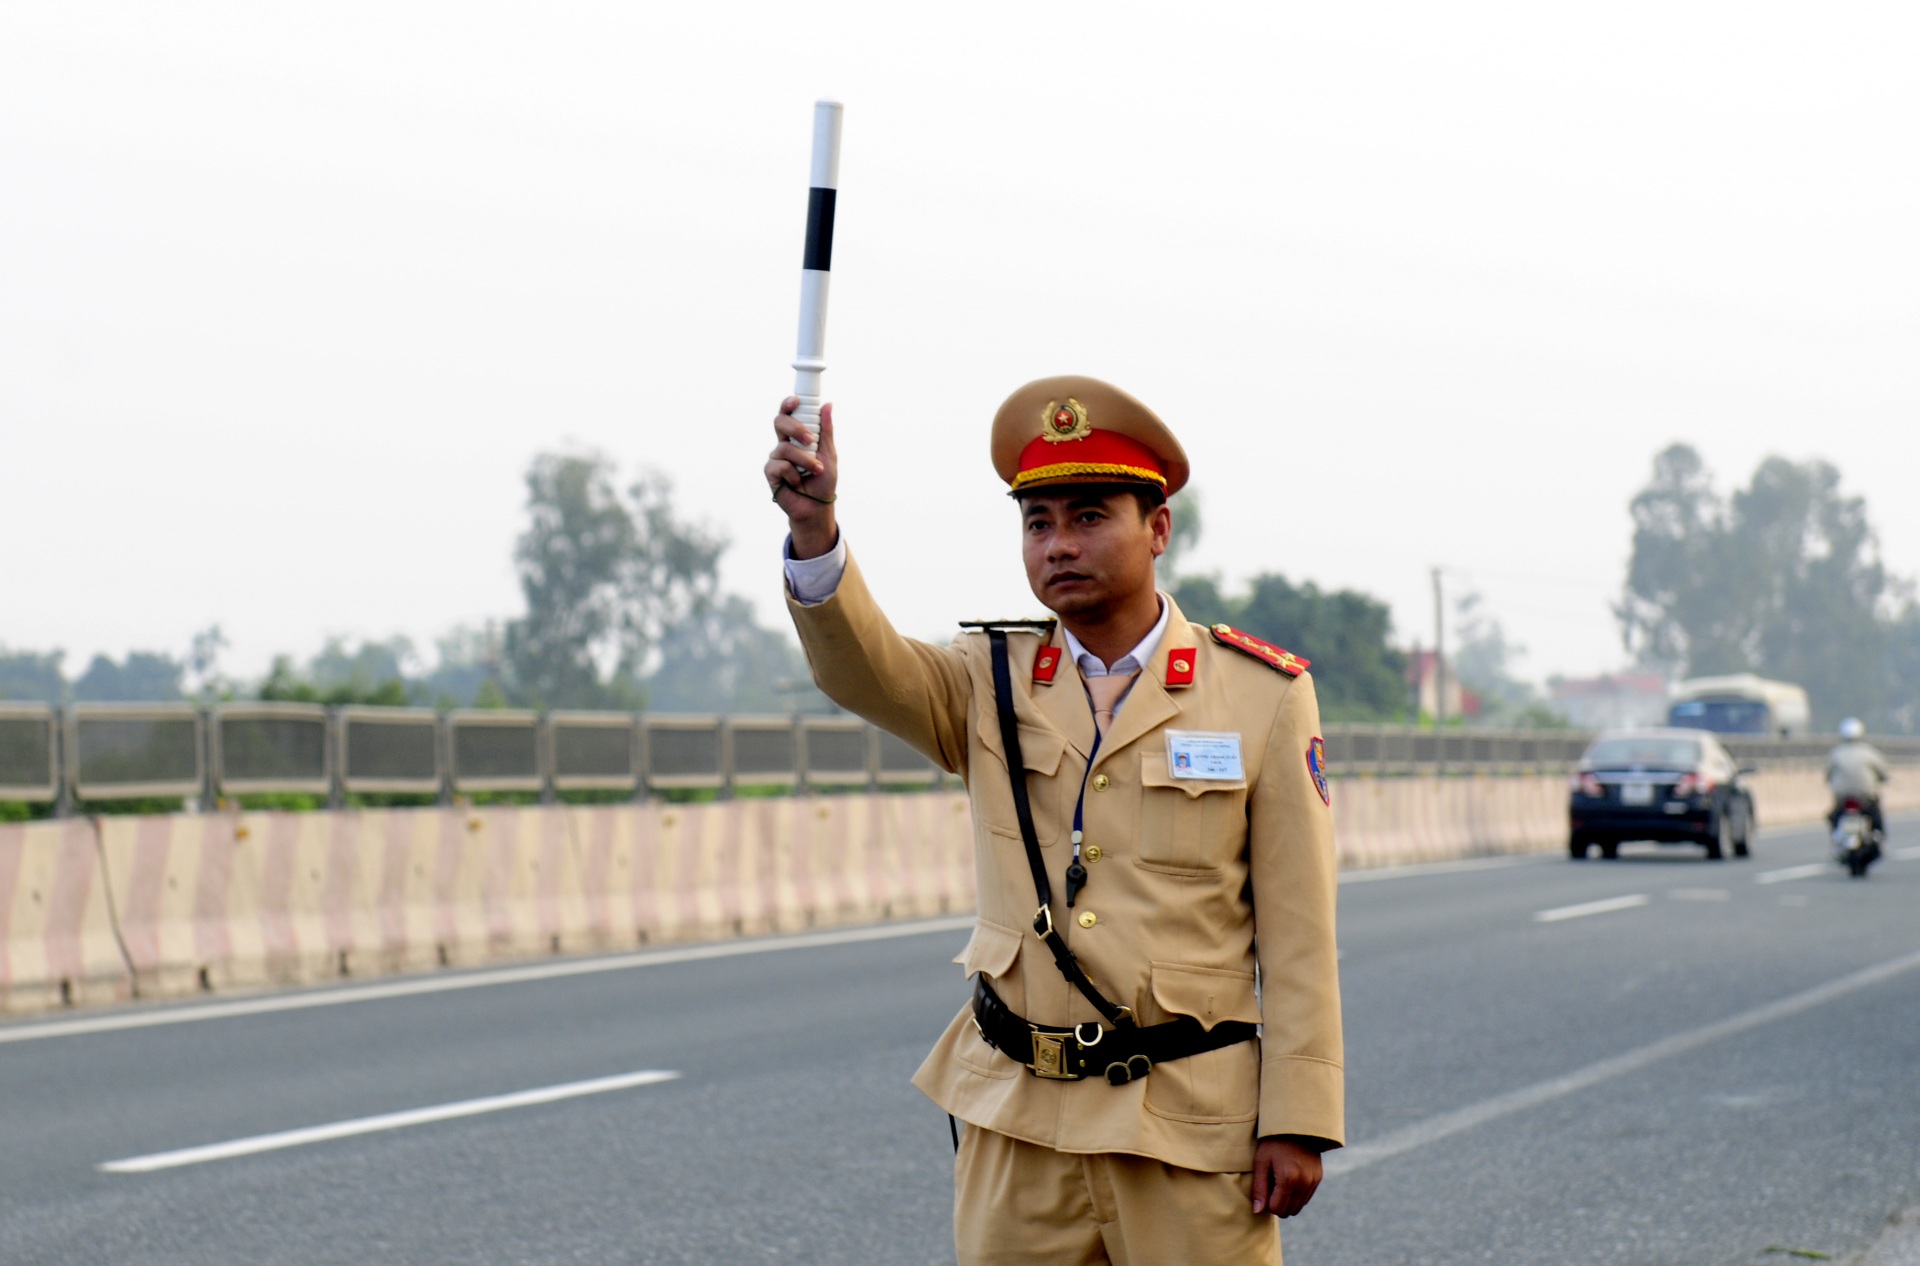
1724,1070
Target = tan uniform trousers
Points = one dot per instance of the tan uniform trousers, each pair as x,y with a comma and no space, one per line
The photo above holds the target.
1019,1204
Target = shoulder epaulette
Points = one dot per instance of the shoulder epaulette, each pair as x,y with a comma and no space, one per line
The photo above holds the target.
1266,652
1031,626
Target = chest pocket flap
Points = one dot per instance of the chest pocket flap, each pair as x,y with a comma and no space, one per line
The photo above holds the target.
1040,750
1154,773
1208,994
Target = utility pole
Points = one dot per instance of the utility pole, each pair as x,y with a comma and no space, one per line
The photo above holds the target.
1439,657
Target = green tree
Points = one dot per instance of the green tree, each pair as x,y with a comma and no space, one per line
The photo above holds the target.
1783,579
288,684
1357,673
203,665
469,668
143,677
603,575
722,659
32,675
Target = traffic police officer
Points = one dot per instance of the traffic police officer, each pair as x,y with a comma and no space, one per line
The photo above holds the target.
1150,1064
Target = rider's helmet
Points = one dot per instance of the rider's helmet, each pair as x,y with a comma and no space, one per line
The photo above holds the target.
1851,729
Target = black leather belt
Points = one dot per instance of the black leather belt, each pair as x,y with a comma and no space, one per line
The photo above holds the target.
1120,1055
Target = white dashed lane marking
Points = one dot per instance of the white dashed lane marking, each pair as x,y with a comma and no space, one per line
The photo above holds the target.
1585,908
387,1121
1787,874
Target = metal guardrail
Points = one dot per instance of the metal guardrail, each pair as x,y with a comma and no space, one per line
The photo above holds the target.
390,750
1398,749
29,753
272,747
125,751
593,751
132,751
495,750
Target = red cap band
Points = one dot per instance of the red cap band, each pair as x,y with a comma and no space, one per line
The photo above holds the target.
1102,457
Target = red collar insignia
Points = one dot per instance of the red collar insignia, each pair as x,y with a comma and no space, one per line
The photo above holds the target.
1046,664
1180,666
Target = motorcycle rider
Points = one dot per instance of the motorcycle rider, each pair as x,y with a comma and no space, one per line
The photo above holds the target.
1855,771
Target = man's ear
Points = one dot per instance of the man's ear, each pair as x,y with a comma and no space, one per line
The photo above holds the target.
1160,524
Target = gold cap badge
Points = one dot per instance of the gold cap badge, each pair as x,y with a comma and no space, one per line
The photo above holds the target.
1063,422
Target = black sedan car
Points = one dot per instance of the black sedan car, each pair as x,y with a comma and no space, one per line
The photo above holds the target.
1670,786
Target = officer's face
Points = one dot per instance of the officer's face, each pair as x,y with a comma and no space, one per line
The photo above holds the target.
1089,552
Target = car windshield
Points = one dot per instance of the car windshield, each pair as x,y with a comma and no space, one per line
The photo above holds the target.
1722,716
1648,753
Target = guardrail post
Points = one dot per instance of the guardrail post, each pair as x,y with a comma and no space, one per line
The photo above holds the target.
642,789
443,755
209,777
336,761
543,755
801,787
62,765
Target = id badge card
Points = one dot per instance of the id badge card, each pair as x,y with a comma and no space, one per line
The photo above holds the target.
1204,756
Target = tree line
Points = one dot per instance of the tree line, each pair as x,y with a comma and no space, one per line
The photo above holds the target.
623,609
1782,578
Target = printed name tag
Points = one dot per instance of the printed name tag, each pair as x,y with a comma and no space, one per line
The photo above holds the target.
1205,755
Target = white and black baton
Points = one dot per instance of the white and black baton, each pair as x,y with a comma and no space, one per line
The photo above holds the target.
816,265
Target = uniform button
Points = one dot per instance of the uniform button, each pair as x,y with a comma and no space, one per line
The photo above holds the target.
1093,853
1088,919
1101,782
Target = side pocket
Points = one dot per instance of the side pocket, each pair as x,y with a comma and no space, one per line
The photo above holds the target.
993,953
1216,1086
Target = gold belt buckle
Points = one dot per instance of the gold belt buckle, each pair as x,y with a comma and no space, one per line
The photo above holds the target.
1050,1057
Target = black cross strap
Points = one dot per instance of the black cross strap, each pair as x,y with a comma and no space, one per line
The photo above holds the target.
1118,1016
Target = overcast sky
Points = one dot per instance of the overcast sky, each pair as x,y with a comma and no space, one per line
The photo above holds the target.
290,295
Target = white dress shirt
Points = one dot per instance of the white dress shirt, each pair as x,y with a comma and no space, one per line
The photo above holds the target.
1132,662
813,580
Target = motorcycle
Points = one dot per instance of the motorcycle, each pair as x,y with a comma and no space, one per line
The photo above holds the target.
1854,845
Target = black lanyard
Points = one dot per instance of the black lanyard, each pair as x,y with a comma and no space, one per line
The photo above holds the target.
1077,873
1023,810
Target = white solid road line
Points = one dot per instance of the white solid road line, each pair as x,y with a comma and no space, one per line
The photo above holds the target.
1787,874
1911,854
1606,906
1447,1124
413,987
388,1121
333,996
1413,869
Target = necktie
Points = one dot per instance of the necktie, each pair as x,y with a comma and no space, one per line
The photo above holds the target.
1106,693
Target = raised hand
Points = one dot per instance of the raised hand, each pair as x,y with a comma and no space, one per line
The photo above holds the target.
804,484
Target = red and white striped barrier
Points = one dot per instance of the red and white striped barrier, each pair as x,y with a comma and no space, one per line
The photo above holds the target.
57,942
98,910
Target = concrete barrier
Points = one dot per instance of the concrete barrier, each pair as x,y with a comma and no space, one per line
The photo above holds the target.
57,944
1390,821
100,910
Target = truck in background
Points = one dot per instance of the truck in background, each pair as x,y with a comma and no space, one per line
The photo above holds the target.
1740,704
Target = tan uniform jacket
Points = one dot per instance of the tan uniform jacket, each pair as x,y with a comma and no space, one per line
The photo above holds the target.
1196,883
